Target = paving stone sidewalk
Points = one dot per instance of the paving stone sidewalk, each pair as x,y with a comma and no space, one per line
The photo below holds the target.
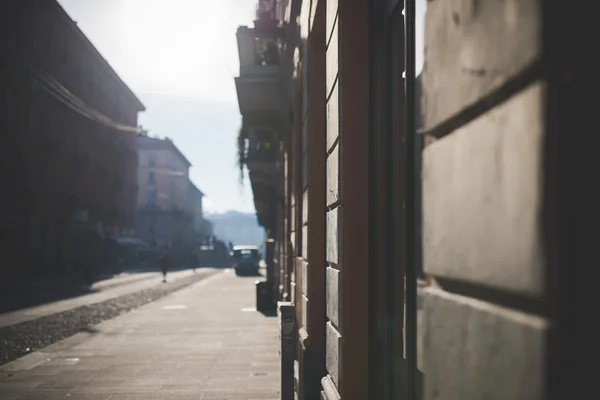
102,291
202,342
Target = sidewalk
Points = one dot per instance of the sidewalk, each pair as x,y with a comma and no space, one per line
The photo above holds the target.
199,343
101,291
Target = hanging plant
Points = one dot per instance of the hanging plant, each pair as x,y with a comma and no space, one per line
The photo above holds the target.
241,153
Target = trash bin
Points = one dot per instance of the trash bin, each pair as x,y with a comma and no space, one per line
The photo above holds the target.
264,296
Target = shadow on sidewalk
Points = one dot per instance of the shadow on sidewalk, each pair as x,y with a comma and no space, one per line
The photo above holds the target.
19,295
18,298
268,313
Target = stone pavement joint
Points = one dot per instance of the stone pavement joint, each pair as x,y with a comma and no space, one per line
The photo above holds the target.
22,338
195,343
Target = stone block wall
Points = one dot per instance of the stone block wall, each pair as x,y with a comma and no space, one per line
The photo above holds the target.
485,323
334,203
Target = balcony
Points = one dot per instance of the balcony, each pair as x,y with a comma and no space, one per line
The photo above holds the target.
265,198
263,151
260,87
266,72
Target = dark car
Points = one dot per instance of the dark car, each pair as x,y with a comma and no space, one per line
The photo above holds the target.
245,259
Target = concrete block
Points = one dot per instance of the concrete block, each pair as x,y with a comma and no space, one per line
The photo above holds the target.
304,277
333,353
305,305
304,19
474,47
305,241
333,117
475,350
332,240
332,60
293,219
293,291
332,293
331,15
333,172
293,240
305,206
482,198
329,391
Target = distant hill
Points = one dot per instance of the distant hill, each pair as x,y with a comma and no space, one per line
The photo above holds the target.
238,228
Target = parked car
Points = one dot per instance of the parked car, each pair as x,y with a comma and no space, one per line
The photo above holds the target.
245,259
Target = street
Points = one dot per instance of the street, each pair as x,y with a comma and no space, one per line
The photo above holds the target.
202,342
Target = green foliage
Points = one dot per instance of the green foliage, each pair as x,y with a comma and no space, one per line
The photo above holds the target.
241,153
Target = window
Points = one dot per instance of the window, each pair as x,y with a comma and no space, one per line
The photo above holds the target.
246,254
152,159
151,198
151,177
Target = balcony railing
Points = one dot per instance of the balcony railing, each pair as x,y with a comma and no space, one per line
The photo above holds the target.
259,85
262,148
260,51
263,152
267,51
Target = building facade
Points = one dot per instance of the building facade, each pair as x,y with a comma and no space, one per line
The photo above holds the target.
69,161
415,220
166,208
200,224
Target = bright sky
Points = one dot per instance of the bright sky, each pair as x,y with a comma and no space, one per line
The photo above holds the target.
180,57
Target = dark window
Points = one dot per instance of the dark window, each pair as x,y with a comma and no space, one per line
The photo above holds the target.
151,177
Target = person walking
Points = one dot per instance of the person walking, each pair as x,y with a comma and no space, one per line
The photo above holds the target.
165,262
194,261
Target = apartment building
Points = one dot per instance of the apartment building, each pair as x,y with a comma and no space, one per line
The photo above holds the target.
68,162
362,203
166,208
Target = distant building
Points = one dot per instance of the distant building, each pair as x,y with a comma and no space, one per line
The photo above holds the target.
68,160
166,211
196,197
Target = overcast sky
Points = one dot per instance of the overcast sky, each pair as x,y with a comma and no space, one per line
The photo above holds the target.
180,57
